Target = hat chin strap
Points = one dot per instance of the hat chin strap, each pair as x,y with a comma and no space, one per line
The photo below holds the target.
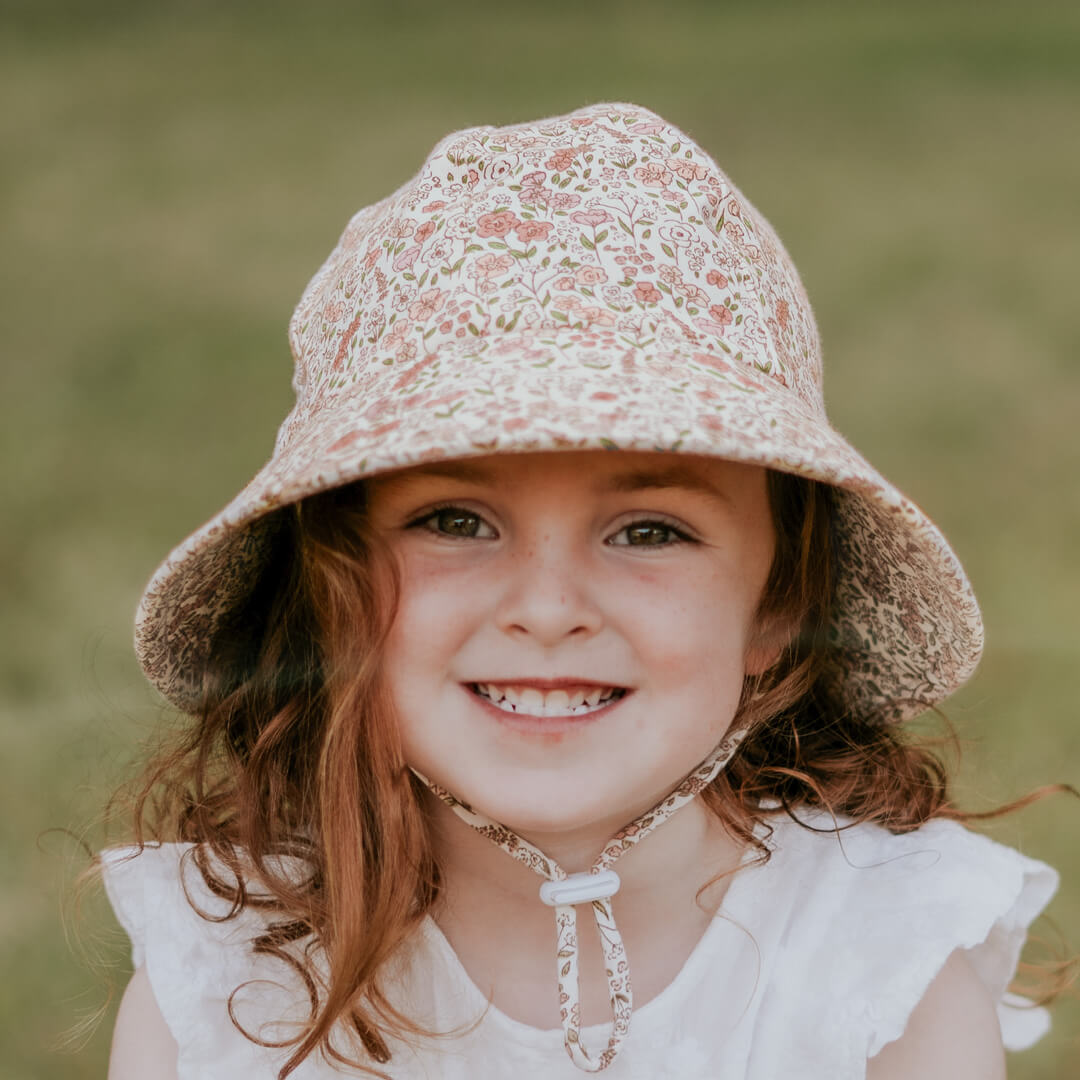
596,886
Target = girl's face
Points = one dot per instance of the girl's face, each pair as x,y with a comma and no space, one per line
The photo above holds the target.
574,628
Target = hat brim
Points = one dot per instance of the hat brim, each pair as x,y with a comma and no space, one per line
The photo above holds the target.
907,629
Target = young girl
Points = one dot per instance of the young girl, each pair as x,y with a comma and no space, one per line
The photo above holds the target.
545,683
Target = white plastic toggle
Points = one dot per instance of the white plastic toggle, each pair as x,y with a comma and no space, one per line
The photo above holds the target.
580,888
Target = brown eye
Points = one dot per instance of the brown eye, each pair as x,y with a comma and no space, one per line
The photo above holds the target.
456,522
641,535
652,534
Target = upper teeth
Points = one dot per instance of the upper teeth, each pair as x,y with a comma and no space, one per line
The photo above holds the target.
527,699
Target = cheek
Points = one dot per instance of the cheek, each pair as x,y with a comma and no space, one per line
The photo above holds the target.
431,618
692,629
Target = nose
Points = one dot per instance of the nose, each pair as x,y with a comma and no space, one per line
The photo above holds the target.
547,596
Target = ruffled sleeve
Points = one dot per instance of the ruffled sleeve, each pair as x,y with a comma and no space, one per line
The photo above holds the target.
195,964
887,912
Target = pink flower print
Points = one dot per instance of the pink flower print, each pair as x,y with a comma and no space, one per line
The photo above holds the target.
647,127
406,353
473,178
676,233
591,314
653,174
500,167
580,121
565,283
407,258
438,251
446,327
734,231
497,225
714,277
590,275
668,274
693,293
721,314
431,207
371,258
412,373
489,265
424,231
527,231
374,326
687,170
564,200
647,292
459,227
561,159
592,218
402,228
333,311
426,305
783,314
396,335
536,196
630,271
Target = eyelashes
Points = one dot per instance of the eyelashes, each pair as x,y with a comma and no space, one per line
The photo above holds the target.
459,523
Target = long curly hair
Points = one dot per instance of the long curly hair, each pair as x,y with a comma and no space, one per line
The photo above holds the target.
294,751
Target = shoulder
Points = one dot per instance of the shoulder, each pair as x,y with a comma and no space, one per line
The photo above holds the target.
915,935
143,1047
200,983
952,1033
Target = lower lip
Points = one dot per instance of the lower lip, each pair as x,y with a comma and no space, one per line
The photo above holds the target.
528,724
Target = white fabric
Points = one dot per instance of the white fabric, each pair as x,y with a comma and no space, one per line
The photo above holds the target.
814,962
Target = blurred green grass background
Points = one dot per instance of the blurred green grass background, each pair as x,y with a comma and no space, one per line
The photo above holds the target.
174,172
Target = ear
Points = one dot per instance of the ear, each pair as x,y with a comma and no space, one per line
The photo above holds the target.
770,637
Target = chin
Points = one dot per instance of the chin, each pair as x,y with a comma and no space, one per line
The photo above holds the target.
531,809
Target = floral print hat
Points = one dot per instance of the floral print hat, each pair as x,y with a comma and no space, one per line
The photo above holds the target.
591,281
587,281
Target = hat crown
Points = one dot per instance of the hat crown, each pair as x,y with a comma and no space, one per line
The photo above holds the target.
608,226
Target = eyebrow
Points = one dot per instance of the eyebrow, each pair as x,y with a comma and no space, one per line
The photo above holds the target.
675,476
672,476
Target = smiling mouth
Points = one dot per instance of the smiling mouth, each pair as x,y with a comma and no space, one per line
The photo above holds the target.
561,702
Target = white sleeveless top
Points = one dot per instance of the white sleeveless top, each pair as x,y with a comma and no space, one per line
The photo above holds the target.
813,963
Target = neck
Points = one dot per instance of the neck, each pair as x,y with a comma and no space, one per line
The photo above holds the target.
683,854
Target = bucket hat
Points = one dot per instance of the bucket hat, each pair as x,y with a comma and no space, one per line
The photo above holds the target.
589,281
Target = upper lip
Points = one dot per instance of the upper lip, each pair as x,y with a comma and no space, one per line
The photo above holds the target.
548,684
